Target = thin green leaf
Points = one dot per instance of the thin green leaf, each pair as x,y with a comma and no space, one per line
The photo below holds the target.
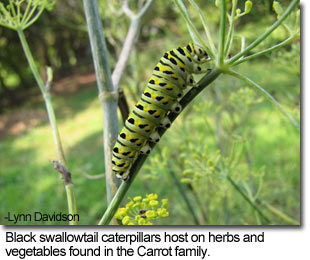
266,94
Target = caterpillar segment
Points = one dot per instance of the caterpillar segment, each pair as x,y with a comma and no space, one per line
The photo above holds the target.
170,77
173,77
164,87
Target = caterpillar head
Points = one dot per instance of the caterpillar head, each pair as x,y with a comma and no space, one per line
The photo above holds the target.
200,55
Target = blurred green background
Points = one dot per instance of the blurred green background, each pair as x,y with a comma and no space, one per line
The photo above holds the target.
228,123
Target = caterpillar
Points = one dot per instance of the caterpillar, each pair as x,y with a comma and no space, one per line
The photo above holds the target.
170,77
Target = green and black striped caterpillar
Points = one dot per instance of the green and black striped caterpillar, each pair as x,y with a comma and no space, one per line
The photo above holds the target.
170,77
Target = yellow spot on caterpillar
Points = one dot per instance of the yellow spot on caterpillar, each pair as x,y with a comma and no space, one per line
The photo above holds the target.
161,68
147,128
138,142
165,100
156,114
136,123
153,96
121,151
126,165
131,154
145,109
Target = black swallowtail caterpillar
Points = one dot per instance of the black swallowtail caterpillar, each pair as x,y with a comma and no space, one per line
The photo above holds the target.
169,79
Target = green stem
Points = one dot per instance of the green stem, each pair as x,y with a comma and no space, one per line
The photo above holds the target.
266,33
265,94
26,11
279,213
184,12
51,115
13,11
222,33
183,194
113,206
236,186
273,48
46,96
242,43
231,28
30,14
201,207
145,8
33,19
8,26
210,42
107,93
72,205
192,29
18,12
287,28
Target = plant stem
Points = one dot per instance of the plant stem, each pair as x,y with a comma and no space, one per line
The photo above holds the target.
230,37
242,43
30,14
46,96
71,199
210,42
236,186
107,93
72,205
113,206
145,8
183,194
8,26
29,23
13,11
273,48
192,29
279,213
124,55
131,37
266,33
201,207
266,94
26,11
222,33
18,12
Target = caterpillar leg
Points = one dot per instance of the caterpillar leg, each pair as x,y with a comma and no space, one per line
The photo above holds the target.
123,177
146,149
190,80
126,178
121,174
206,70
154,137
199,70
176,107
121,167
166,123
